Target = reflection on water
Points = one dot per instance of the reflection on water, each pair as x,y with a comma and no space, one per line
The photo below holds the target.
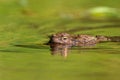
63,51
59,49
109,48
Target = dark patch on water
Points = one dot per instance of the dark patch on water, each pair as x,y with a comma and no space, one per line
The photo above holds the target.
77,48
111,51
32,46
13,51
93,28
96,74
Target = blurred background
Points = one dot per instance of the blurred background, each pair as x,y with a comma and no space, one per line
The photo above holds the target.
34,18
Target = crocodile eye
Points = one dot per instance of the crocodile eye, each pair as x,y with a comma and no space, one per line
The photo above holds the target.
64,38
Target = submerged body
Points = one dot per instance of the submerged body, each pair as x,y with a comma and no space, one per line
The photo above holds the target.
61,42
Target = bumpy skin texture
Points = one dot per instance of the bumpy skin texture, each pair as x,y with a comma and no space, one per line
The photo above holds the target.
60,42
101,38
77,40
62,38
84,40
